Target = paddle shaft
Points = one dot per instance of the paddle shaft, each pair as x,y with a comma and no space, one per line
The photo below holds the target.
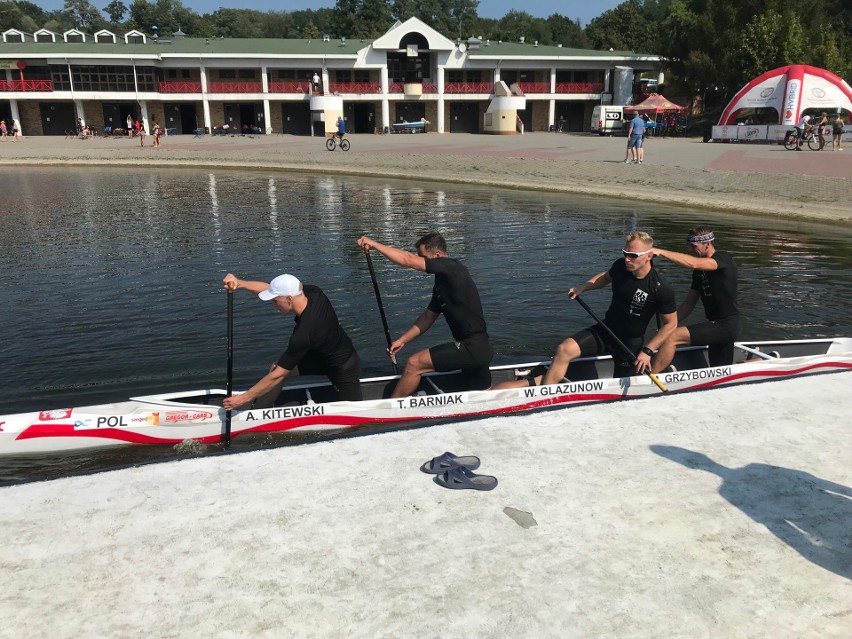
619,343
381,307
226,438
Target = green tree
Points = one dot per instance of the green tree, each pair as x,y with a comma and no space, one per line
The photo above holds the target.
279,24
826,53
115,10
402,10
323,19
519,24
311,32
567,32
14,16
344,17
29,9
624,28
768,41
84,15
168,16
372,19
237,23
453,18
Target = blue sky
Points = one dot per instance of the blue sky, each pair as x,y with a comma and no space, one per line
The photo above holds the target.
582,9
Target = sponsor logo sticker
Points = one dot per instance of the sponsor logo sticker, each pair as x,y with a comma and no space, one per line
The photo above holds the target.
790,103
187,416
49,415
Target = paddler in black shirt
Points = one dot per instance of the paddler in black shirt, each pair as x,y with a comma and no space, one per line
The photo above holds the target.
456,296
714,282
638,294
318,345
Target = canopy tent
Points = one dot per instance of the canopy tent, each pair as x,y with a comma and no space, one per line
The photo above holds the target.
654,103
791,90
662,116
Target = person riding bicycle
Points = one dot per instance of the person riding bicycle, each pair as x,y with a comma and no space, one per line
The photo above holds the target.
801,128
341,129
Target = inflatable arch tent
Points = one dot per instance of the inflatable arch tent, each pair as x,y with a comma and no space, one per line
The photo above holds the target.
791,90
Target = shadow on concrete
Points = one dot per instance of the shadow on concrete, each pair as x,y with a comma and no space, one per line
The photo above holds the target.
811,515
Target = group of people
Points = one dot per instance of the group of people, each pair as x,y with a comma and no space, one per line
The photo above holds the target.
134,127
7,130
320,345
137,128
805,125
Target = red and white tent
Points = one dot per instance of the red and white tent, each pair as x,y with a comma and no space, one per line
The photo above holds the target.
791,90
654,103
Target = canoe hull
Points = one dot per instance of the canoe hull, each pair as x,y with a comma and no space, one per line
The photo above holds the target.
170,419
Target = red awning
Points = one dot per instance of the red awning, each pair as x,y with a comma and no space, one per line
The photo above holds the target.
654,103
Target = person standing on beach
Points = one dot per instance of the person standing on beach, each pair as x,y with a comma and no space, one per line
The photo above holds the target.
714,282
140,131
3,130
129,126
317,346
634,140
821,129
837,133
639,293
455,295
156,131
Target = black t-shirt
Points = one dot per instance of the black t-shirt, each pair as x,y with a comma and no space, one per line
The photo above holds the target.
635,301
718,289
456,296
318,337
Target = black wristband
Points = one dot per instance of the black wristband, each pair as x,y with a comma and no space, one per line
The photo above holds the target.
649,352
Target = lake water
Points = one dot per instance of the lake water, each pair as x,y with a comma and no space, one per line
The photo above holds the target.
112,277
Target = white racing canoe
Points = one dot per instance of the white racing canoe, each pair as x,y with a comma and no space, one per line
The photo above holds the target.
172,418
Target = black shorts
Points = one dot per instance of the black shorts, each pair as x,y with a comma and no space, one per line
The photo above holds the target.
471,355
596,341
719,337
346,377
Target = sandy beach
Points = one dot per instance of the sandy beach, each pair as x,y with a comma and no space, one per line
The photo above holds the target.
754,179
705,515
720,514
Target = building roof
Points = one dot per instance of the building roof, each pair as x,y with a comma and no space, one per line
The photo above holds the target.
504,50
183,46
398,35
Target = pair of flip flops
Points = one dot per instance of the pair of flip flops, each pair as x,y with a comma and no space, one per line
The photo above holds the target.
454,472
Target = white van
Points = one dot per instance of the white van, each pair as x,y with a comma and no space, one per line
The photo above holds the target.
606,119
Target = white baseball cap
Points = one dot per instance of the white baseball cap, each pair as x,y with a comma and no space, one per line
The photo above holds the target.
282,286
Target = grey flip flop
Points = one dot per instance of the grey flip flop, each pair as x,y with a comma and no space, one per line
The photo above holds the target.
460,478
448,461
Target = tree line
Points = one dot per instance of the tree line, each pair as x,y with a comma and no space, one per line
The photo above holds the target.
711,48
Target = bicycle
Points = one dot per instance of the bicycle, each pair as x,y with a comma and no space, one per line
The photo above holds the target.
331,143
815,142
